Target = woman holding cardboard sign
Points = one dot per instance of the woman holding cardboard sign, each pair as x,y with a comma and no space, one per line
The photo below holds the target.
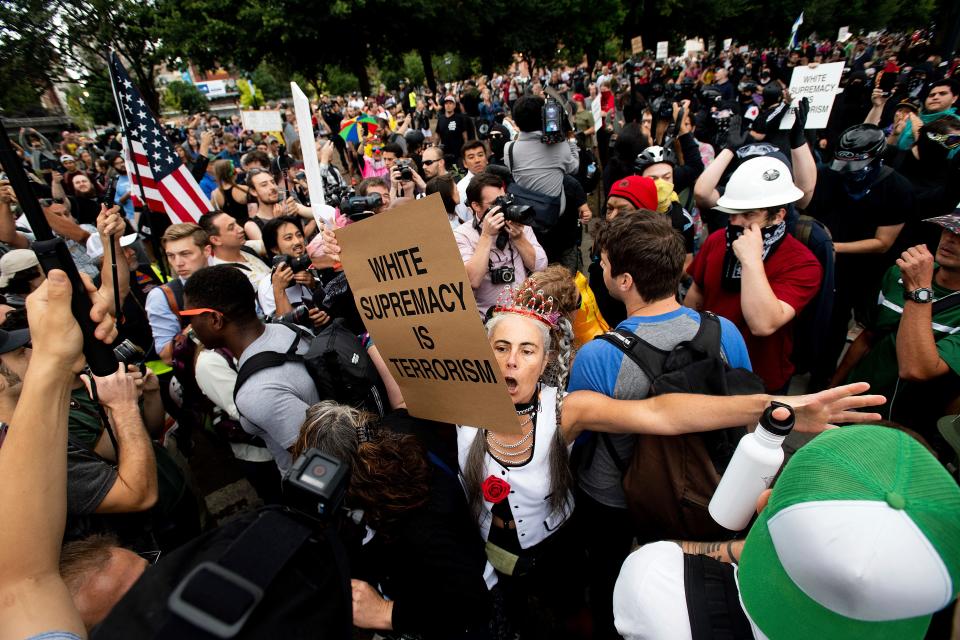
519,485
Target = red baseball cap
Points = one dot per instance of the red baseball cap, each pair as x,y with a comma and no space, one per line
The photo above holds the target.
640,191
578,97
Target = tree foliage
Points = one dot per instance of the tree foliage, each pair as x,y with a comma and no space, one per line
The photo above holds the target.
185,97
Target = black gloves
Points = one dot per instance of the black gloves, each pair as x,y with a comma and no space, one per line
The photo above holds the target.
797,137
736,135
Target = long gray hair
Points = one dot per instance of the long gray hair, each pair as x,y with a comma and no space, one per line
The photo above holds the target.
561,480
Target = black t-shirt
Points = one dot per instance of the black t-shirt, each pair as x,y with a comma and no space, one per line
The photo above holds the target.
85,210
889,202
451,130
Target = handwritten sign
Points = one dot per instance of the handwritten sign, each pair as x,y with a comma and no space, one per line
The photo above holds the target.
819,85
261,120
636,45
662,50
412,291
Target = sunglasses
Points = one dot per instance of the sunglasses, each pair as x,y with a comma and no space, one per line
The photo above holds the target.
427,163
198,311
948,140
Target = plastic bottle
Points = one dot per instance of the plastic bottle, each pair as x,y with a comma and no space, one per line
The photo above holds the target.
751,470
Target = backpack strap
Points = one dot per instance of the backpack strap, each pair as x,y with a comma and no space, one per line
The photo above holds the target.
267,360
713,600
512,144
707,338
219,596
945,304
649,358
173,291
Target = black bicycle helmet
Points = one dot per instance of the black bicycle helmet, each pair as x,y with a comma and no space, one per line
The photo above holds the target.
654,155
859,145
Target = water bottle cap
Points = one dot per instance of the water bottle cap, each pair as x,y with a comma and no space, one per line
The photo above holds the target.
775,426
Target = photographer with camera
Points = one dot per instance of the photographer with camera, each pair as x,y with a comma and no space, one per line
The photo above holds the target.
405,183
499,248
290,287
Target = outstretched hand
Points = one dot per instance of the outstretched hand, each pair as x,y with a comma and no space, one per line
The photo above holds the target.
816,412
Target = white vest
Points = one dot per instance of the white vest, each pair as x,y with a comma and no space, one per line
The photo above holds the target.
529,483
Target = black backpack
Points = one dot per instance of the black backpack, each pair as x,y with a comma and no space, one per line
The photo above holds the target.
669,481
269,574
337,363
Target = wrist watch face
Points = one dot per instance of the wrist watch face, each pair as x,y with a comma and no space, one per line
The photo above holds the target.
921,295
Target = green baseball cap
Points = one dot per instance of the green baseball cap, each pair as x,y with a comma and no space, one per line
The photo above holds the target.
860,539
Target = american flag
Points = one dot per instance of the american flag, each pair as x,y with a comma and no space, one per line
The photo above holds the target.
167,183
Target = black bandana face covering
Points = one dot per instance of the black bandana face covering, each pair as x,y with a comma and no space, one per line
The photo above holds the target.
732,269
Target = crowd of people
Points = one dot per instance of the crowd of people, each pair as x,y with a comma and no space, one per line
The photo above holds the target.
731,263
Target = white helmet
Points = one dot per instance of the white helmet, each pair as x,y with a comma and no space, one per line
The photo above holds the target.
759,183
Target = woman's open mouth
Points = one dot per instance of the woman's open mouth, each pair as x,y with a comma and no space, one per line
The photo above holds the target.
511,384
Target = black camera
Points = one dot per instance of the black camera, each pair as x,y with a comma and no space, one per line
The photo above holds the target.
513,212
360,207
503,275
316,484
483,129
129,353
299,315
406,171
552,122
296,264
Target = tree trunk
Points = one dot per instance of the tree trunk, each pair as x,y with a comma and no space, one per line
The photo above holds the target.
486,63
358,64
427,61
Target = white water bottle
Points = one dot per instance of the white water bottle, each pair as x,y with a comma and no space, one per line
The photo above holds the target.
751,470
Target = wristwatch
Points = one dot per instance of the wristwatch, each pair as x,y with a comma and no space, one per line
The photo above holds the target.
921,295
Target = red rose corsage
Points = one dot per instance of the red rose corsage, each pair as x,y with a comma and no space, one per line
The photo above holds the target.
495,490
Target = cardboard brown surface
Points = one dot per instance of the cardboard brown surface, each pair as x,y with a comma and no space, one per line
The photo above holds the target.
412,291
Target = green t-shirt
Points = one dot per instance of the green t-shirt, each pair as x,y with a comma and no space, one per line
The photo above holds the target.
879,367
583,120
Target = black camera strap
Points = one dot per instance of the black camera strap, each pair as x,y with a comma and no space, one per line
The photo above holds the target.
216,598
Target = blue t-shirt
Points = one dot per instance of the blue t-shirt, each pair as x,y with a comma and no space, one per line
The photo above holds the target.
123,188
599,366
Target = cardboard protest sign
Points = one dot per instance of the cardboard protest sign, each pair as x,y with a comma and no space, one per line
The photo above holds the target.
261,120
636,45
311,164
662,50
412,291
819,85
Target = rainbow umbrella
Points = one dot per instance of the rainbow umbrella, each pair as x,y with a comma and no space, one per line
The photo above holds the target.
350,129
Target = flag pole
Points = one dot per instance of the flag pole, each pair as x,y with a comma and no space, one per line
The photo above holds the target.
154,241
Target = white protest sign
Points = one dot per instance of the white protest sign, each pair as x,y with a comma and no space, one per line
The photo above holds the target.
692,46
745,49
322,212
597,118
662,50
261,120
727,44
819,85
844,34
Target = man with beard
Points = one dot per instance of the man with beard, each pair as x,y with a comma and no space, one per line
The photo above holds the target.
263,187
753,272
84,204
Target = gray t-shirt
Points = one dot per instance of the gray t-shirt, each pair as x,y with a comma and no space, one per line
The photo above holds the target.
273,402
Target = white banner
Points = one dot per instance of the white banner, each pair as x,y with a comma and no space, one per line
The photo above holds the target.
819,85
322,212
261,120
